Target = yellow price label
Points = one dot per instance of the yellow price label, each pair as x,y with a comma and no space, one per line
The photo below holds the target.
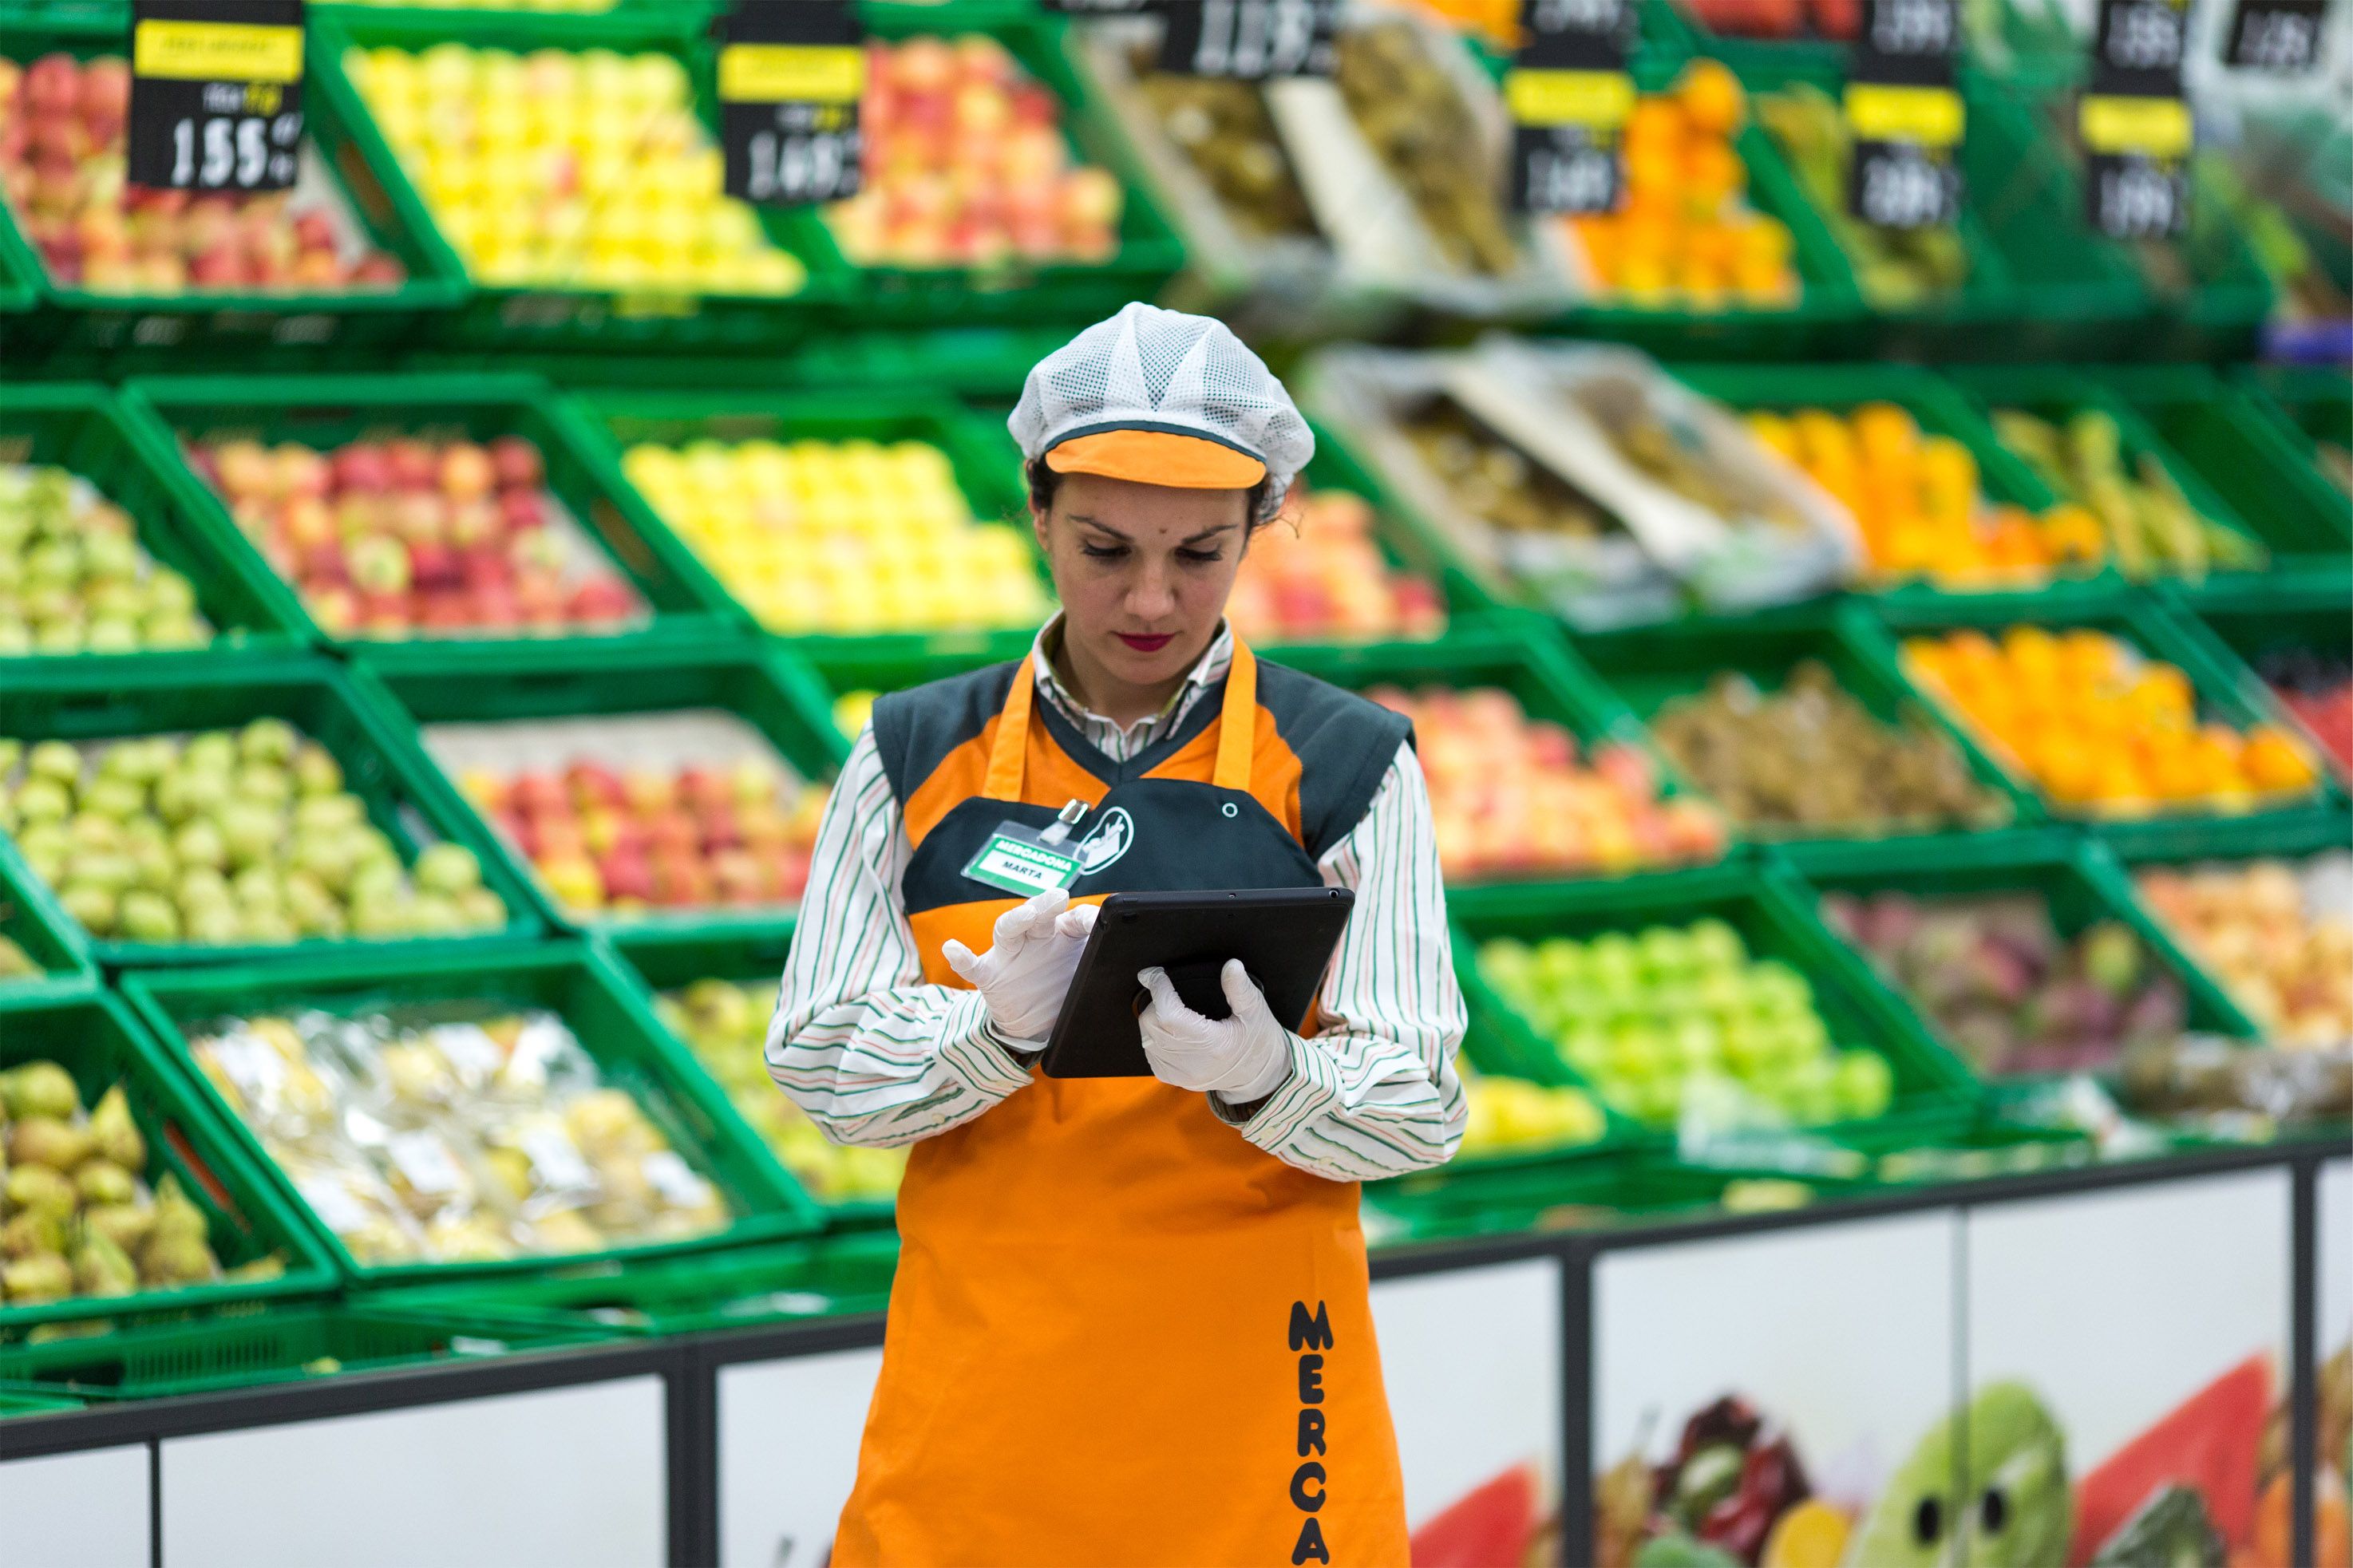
2118,123
1925,116
1598,101
792,73
217,51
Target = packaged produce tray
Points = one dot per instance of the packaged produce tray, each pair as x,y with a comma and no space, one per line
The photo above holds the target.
755,1287
853,1186
574,528
1653,674
178,1360
651,313
697,1167
1609,1192
400,795
2287,643
248,1223
2145,635
1607,1003
982,465
292,325
41,935
2147,986
81,430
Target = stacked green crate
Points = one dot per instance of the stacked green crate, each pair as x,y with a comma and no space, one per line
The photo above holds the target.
323,413
178,1360
1653,674
85,704
260,1250
713,993
2311,413
601,1007
1679,987
82,429
286,323
766,689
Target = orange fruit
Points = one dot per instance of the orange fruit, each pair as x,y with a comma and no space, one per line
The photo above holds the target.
1774,433
1711,98
1885,434
2274,762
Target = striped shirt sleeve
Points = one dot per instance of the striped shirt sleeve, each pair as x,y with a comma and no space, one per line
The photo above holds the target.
873,1054
1375,1093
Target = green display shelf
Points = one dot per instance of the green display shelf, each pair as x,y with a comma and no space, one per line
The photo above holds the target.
604,1008
94,1037
1605,1192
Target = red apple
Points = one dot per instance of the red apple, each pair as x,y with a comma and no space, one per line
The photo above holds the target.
670,832
324,565
539,795
335,608
465,471
435,570
302,471
601,600
415,465
627,875
305,521
515,464
592,784
363,465
520,510
52,86
315,230
420,517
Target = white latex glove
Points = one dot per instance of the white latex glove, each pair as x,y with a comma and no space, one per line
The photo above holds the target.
1026,973
1242,1057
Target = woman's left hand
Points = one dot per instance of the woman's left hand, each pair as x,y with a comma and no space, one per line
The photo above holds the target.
1242,1057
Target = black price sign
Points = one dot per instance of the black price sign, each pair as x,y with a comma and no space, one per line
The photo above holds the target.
2276,35
1248,40
1569,97
790,75
2138,48
1905,118
216,94
2136,129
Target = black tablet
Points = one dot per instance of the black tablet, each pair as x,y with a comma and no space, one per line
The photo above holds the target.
1285,937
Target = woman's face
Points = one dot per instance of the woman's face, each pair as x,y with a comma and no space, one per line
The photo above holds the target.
1142,572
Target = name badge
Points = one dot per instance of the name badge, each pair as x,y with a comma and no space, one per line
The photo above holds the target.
1027,862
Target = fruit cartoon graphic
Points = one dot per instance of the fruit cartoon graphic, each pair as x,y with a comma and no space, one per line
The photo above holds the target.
2014,1507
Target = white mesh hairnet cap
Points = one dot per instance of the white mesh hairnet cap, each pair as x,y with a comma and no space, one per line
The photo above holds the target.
1149,370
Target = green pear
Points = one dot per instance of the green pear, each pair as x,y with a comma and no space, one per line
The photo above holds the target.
46,1141
116,1133
36,1189
103,1268
43,1277
101,1181
40,1088
126,1225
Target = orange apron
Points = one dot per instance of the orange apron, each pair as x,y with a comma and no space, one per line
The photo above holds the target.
1120,1333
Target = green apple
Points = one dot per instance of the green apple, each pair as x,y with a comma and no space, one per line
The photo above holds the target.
214,751
149,917
1864,1084
1716,946
449,869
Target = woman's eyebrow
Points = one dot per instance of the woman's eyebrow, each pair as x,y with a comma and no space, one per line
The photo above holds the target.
1209,534
1097,523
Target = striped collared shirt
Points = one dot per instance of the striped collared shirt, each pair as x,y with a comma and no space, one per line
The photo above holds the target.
875,1055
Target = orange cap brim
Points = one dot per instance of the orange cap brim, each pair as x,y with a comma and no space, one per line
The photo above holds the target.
1158,457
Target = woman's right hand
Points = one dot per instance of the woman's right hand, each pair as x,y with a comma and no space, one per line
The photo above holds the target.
1026,973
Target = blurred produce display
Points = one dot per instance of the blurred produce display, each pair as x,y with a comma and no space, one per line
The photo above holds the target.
563,169
842,537
725,1024
1656,1019
2208,1079
81,1212
559,6
1318,575
420,537
852,711
2317,687
624,836
2278,937
1920,504
1495,481
2098,726
2005,989
63,159
73,575
967,164
1223,129
1515,1116
1511,796
458,1132
225,837
1897,268
1733,1492
2150,526
1684,237
1413,115
1778,19
1810,758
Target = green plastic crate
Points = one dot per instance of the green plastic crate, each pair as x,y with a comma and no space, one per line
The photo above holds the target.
2229,695
15,1404
748,1287
182,1359
1149,252
2307,406
1612,1192
94,1037
539,318
406,799
668,959
1650,672
47,936
550,683
1773,922
581,985
986,470
292,325
2054,395
2078,882
81,428
327,412
2239,626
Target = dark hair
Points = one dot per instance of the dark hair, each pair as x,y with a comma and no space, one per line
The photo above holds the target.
1044,481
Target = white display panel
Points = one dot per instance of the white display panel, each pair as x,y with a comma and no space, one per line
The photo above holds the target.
2151,1324
89,1509
1472,1361
788,1435
2333,1223
572,1476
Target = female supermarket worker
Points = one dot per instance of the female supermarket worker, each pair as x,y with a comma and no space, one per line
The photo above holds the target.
1130,1323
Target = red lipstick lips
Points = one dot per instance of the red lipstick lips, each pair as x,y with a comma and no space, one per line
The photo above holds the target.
1145,644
